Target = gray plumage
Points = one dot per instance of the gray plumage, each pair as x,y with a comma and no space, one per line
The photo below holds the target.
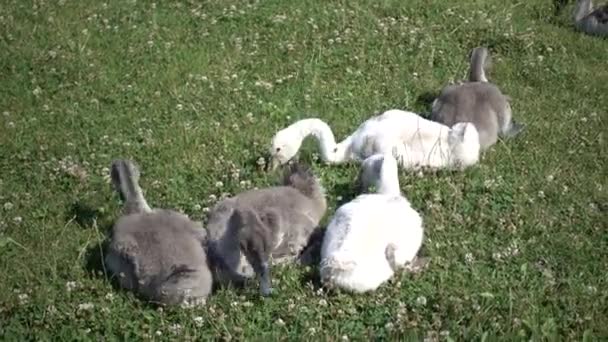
125,179
254,228
158,253
368,179
589,20
479,102
480,61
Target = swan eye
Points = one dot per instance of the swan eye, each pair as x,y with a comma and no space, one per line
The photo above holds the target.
278,149
335,150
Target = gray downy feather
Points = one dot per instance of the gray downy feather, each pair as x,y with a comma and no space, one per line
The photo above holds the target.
481,103
158,254
288,214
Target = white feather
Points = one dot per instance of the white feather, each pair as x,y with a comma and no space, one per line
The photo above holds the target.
354,249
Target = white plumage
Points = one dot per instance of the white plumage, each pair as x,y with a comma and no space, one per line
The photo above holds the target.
415,141
372,236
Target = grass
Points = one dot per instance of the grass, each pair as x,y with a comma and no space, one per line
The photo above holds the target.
193,91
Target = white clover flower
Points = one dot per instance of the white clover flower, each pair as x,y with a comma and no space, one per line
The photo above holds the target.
421,301
469,258
85,306
51,310
175,328
23,298
70,286
198,321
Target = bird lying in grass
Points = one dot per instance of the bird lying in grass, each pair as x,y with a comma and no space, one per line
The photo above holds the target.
479,102
255,228
156,253
373,236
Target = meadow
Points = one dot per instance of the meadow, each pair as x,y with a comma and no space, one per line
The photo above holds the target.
194,90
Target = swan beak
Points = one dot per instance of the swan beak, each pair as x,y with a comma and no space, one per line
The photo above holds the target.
265,283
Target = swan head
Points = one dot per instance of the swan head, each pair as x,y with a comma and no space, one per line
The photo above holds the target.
287,142
285,145
464,141
380,171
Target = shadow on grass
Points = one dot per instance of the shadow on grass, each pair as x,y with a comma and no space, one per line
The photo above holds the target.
312,276
84,215
89,218
347,192
94,257
311,257
558,6
425,100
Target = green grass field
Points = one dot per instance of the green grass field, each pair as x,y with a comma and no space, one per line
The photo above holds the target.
194,90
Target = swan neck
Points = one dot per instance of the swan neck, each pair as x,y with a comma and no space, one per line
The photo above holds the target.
388,183
477,72
325,138
136,202
583,7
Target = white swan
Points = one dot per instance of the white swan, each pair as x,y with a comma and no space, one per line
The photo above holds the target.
416,141
374,235
589,20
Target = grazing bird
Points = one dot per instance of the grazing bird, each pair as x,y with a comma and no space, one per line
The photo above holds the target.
373,236
416,142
